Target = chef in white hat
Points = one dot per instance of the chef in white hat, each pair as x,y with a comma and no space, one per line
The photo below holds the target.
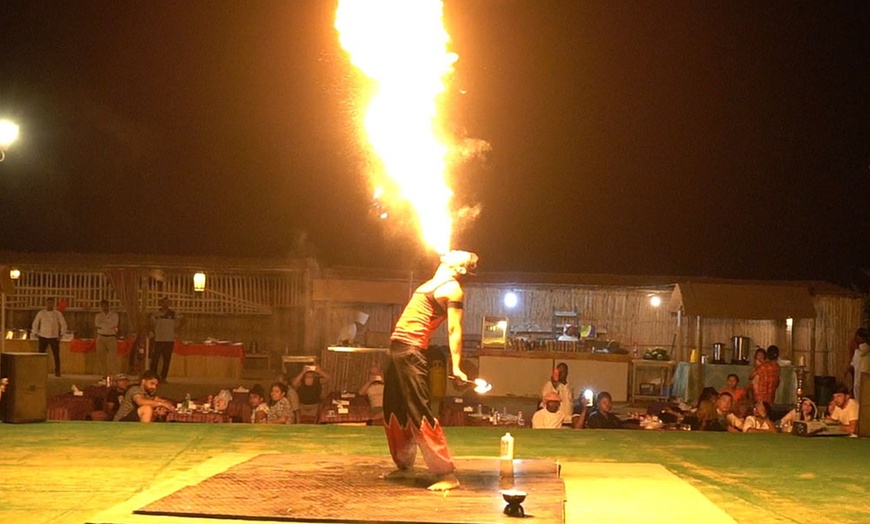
348,332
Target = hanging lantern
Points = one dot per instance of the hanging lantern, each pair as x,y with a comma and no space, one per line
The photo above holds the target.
199,281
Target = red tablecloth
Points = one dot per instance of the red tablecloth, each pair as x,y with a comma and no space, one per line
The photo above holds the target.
89,345
77,408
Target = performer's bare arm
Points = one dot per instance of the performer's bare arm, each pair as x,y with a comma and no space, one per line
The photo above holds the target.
454,295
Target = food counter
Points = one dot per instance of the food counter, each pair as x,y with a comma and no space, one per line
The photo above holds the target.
523,373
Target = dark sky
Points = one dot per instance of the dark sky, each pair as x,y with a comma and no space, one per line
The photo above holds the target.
721,139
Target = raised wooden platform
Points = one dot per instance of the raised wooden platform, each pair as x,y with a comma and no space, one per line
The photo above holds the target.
354,489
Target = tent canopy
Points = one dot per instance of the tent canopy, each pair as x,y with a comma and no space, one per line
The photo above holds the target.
744,301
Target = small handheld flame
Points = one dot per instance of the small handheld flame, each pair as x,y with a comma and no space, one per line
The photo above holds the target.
401,46
481,386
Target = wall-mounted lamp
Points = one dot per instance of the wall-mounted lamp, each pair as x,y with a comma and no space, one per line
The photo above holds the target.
14,273
511,300
199,281
655,301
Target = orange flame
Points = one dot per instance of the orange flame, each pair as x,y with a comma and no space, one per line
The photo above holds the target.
401,46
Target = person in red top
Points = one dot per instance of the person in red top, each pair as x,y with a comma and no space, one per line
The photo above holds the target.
408,420
765,376
732,388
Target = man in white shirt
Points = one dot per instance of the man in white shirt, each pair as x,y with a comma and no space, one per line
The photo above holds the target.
48,326
549,416
860,361
107,341
163,323
558,384
845,410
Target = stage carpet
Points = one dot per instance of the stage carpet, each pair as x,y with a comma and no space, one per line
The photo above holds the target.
355,489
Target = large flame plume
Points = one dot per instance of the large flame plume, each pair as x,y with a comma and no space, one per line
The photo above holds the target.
402,47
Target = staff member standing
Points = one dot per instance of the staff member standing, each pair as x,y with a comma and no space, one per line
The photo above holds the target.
48,326
163,322
409,422
107,340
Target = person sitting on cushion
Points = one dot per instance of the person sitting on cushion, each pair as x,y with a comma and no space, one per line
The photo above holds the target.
603,417
259,407
807,413
550,416
141,403
725,419
280,410
759,421
845,410
309,386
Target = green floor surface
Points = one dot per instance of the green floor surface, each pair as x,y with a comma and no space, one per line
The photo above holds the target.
68,471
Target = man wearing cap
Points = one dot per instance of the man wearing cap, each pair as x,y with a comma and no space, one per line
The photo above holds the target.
107,342
409,422
550,416
120,383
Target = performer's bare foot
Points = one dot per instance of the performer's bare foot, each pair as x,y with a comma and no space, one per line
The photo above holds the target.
401,474
448,481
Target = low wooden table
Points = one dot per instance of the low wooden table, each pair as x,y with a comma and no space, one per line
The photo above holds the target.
199,416
358,411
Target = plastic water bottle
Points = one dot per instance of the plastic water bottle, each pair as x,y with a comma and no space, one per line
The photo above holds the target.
521,421
506,455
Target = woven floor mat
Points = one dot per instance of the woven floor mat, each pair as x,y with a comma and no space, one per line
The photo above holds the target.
356,489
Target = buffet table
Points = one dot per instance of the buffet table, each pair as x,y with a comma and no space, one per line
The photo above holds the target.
78,357
715,375
523,373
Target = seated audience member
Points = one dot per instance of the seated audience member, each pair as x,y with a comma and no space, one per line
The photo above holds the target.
309,386
807,412
558,384
292,396
580,414
759,421
603,417
141,403
373,389
845,410
259,407
699,415
115,396
724,420
549,416
280,410
732,387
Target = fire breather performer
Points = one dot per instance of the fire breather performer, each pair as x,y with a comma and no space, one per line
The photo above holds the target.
409,422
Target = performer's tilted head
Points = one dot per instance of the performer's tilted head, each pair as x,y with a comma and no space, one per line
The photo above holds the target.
461,262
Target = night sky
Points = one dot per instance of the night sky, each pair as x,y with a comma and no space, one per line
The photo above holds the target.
725,139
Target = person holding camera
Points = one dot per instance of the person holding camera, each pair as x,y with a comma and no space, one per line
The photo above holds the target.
309,386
